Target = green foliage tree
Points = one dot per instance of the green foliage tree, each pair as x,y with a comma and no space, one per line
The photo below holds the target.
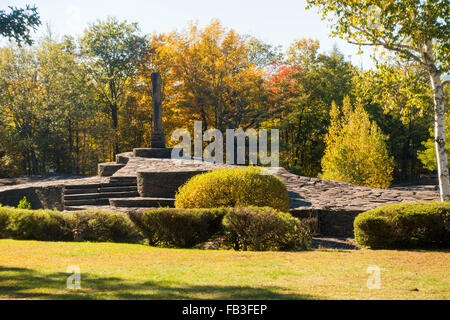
24,204
48,111
413,30
16,24
398,97
356,151
113,50
263,54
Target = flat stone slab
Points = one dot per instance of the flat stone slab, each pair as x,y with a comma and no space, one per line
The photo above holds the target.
54,181
137,164
313,194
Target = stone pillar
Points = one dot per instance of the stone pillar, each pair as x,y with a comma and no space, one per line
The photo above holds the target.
158,139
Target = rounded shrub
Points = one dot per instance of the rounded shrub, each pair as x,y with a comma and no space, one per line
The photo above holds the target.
234,187
404,225
179,228
102,226
264,229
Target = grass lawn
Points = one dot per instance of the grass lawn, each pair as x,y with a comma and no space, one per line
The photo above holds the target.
37,270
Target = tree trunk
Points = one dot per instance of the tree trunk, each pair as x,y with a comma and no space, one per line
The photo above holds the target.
439,130
71,158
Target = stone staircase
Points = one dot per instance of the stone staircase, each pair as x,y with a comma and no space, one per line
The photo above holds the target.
77,197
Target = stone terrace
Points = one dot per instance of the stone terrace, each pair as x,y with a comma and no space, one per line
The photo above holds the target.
334,204
307,194
316,194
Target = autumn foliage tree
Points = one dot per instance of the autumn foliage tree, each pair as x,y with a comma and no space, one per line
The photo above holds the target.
300,95
214,79
413,30
356,151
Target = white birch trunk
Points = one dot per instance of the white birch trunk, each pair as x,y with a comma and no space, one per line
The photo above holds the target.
439,130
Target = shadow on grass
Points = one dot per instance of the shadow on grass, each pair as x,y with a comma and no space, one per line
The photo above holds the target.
21,283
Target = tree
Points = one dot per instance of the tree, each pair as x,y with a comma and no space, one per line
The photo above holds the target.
73,112
17,23
300,95
113,50
428,156
414,30
398,97
214,79
49,113
20,100
356,151
263,54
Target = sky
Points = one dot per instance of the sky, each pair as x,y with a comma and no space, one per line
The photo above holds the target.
276,22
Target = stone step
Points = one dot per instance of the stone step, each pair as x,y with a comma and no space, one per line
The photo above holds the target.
122,179
117,189
142,202
80,191
86,196
82,186
125,183
86,202
101,195
108,187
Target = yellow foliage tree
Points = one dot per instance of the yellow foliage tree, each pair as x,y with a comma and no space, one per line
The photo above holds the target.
207,77
356,150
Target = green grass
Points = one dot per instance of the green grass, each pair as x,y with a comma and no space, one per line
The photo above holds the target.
37,270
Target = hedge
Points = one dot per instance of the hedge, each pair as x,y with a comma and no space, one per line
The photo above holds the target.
177,227
264,229
405,225
233,187
250,228
48,225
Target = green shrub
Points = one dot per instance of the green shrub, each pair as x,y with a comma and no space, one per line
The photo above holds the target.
404,225
48,225
24,204
262,229
40,225
101,226
233,187
177,227
3,223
